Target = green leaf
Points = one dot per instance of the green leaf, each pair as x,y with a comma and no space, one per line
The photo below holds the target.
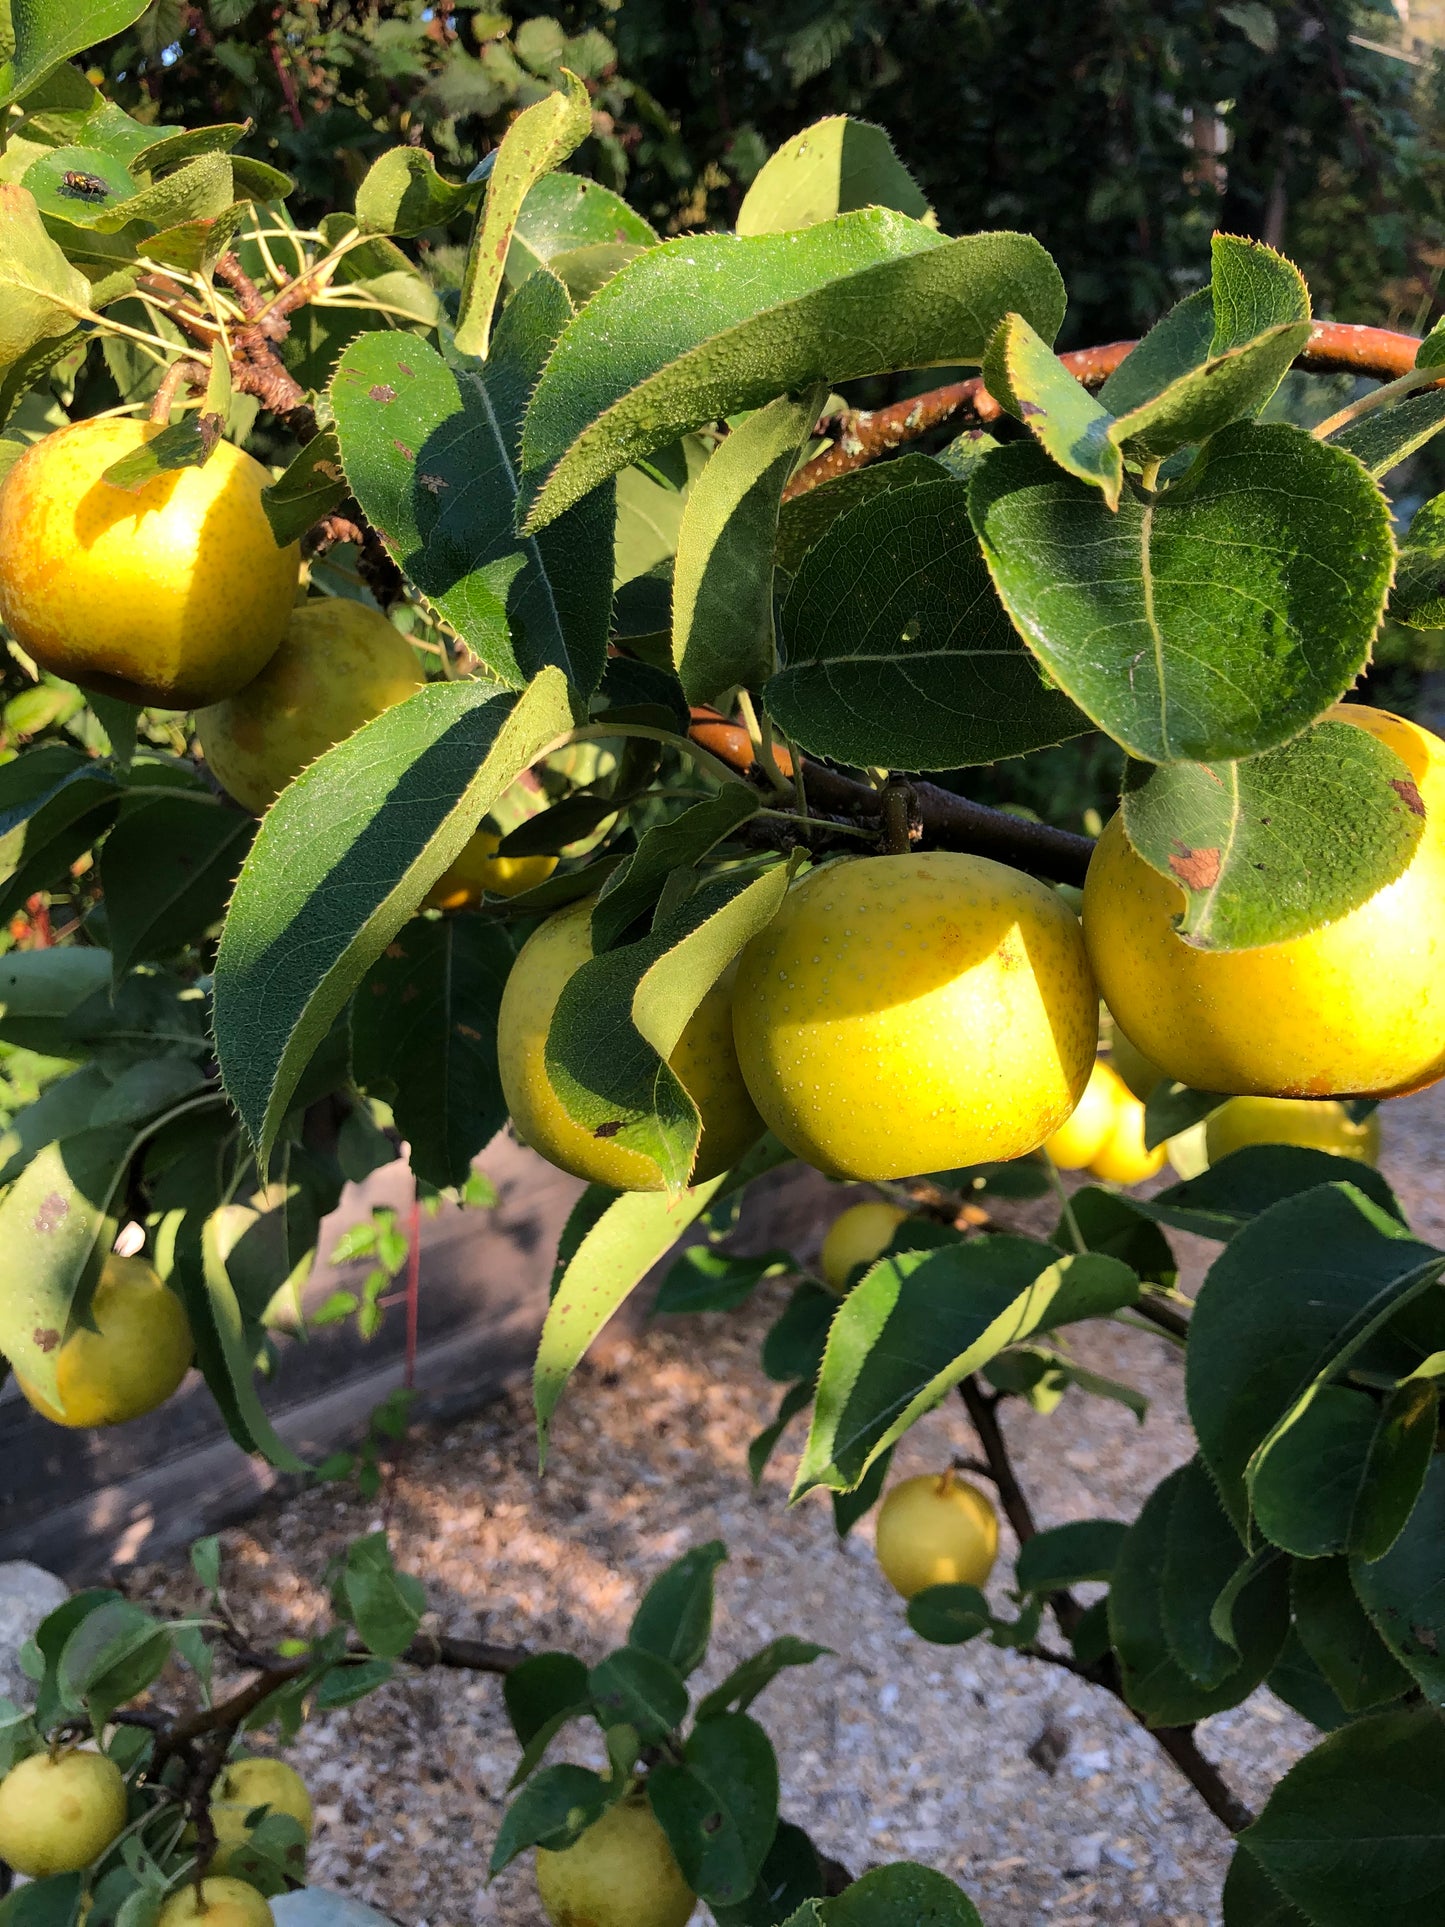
311,487
160,156
1305,1489
833,167
1207,1590
1109,1222
565,213
112,1656
384,1605
722,584
1396,1468
1418,594
638,1689
168,868
633,888
201,190
1389,436
403,194
618,1249
896,650
620,1016
52,810
1068,1555
424,1037
41,989
1336,1633
78,184
21,376
49,32
1244,1185
760,1449
1284,1308
185,444
708,1280
429,451
674,1620
53,1226
1214,621
1024,376
41,294
1156,1685
539,139
343,859
719,1807
806,519
1178,342
949,1615
915,1326
850,1507
1355,1831
542,1695
901,1895
703,327
793,1345
743,1684
790,1875
1298,1681
1273,847
553,1810
1403,1591
1251,1899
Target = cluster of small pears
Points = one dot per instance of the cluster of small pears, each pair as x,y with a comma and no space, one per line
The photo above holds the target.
62,1810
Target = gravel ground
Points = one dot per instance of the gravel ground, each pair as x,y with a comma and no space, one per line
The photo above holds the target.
891,1749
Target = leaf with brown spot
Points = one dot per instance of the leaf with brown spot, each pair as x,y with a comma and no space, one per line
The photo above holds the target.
1195,869
1408,795
382,391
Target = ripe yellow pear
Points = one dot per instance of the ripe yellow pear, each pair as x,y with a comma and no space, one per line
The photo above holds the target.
1084,1134
339,664
856,1237
621,1873
174,595
246,1785
56,1816
132,1363
223,1902
1139,1073
1353,1009
704,1060
910,1014
479,869
1321,1124
935,1531
1122,1158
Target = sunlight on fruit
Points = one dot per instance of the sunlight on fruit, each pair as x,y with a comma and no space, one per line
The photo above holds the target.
621,1873
478,870
339,664
56,1816
909,1014
936,1530
1355,1008
175,595
857,1237
132,1363
1321,1124
223,1903
1082,1135
704,1060
1122,1157
246,1785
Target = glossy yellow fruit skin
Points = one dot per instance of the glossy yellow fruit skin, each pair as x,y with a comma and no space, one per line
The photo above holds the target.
224,1902
1320,1124
1083,1135
477,871
339,664
246,1785
935,1531
858,1236
139,1355
621,1873
704,1060
1354,1009
57,1816
175,595
908,1014
1139,1073
1122,1158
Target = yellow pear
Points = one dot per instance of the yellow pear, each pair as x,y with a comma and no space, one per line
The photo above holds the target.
58,1815
910,1014
1084,1133
339,664
1321,1124
1355,1008
1138,1072
856,1237
222,1902
704,1061
935,1531
1122,1158
478,869
132,1363
175,594
621,1873
246,1785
